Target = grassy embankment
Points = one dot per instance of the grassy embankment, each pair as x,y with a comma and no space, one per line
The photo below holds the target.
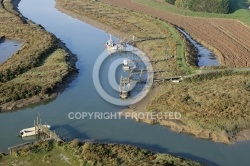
238,10
34,71
141,26
216,102
77,153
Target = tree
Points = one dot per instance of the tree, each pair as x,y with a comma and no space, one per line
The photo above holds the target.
170,1
223,6
181,3
211,6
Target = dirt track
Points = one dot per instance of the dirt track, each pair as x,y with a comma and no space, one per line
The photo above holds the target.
229,39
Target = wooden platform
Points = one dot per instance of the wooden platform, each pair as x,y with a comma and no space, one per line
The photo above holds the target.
17,147
46,133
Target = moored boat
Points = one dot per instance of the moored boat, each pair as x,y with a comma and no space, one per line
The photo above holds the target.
124,88
31,131
128,64
112,46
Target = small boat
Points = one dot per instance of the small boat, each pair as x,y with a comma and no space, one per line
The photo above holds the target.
124,88
31,131
128,65
112,46
125,65
28,132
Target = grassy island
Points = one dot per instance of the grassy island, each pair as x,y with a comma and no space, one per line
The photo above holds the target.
38,70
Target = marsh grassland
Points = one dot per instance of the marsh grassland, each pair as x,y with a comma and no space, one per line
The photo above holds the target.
213,105
89,154
37,68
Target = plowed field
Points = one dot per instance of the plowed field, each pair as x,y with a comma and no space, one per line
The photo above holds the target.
229,39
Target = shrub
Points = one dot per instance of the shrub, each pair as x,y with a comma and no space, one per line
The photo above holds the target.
171,1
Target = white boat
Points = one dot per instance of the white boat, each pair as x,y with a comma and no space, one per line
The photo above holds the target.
31,131
112,46
125,65
128,65
124,88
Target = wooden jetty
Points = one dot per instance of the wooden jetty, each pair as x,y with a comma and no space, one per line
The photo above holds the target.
155,60
135,71
168,79
145,39
47,134
42,132
163,59
17,147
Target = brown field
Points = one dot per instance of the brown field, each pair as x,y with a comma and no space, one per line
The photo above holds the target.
229,39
